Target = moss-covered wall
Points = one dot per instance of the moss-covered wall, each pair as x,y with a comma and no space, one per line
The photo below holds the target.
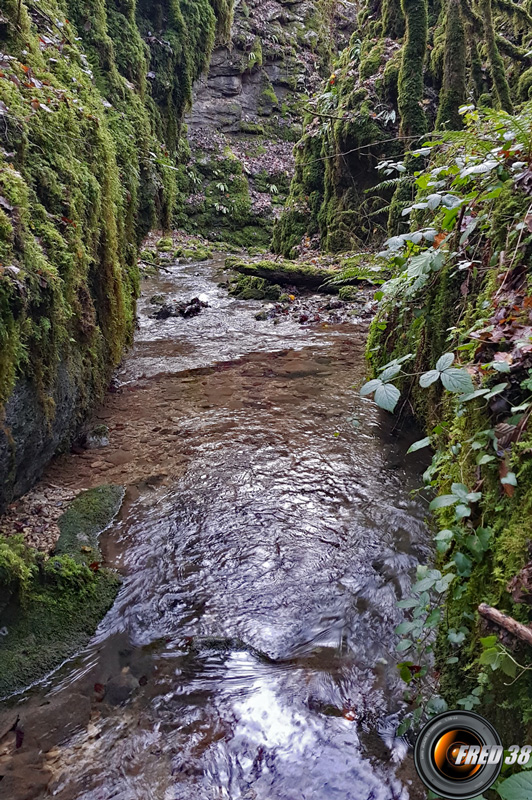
480,311
409,67
91,100
249,107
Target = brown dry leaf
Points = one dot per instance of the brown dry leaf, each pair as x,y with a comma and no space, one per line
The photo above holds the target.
508,489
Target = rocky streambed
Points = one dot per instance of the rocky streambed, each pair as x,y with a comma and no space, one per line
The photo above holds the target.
266,534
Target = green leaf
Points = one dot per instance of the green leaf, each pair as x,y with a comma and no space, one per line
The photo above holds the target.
479,542
426,442
429,378
444,362
452,660
516,787
436,705
484,458
500,366
390,372
457,380
508,666
405,627
500,387
465,398
444,536
442,585
410,602
456,637
387,396
370,387
442,501
424,584
433,618
463,565
405,673
460,490
405,725
403,645
490,657
489,641
462,511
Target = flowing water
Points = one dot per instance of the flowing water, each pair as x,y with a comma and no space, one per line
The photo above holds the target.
268,532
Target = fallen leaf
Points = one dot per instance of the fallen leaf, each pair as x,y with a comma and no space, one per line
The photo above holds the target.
508,489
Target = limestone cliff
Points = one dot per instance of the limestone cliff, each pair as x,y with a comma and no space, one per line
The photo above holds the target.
247,113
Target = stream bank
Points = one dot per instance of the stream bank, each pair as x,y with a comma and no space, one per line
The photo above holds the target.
266,535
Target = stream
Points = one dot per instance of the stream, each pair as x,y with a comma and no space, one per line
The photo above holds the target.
267,534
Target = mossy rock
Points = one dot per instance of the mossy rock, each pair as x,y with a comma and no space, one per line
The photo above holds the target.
247,287
62,612
525,85
348,293
198,253
285,273
252,128
52,607
165,245
86,517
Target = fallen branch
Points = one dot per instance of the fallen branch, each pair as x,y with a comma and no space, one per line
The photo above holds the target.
509,624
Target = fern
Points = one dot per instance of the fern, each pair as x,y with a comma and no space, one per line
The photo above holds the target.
391,183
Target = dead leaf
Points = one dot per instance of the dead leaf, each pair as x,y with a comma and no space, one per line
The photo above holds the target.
508,489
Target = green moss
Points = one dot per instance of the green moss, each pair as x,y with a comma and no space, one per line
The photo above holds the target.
92,144
253,59
348,293
283,272
393,20
66,604
413,119
251,288
497,67
370,64
268,99
453,92
525,85
165,245
391,77
50,607
89,514
254,128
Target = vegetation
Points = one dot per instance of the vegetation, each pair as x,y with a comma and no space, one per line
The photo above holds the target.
408,69
49,607
89,162
455,320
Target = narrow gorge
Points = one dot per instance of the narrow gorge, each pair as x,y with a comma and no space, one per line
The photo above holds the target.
265,390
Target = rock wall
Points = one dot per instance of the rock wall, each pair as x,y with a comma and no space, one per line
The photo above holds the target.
247,110
92,96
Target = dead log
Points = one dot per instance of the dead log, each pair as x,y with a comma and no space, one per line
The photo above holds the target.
509,624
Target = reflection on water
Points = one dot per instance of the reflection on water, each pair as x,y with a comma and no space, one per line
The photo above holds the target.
250,653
